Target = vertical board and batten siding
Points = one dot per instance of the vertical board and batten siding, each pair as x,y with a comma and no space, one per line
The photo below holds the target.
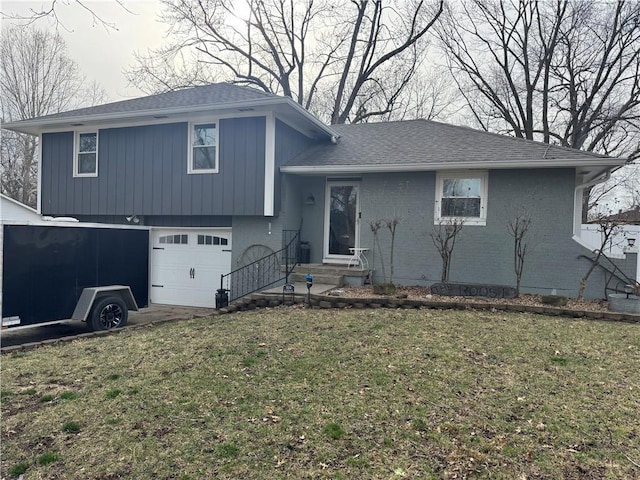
289,142
143,171
267,231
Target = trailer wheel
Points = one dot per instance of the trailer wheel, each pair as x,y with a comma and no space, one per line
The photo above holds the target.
108,313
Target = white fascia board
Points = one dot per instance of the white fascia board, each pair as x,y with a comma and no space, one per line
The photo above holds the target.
269,166
28,126
421,167
39,178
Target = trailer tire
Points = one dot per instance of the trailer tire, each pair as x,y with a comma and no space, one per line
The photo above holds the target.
108,313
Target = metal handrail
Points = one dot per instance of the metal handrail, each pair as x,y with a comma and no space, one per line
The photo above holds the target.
262,273
614,272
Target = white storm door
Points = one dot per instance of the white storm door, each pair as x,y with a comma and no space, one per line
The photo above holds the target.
342,221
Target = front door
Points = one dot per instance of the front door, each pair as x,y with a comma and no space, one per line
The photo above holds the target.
342,221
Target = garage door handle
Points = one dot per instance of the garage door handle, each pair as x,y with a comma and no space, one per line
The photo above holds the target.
226,249
157,286
192,273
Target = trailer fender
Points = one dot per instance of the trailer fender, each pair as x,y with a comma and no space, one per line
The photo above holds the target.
89,296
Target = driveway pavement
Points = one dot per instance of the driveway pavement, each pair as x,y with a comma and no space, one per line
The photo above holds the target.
151,314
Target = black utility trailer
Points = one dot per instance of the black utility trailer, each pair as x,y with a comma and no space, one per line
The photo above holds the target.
55,271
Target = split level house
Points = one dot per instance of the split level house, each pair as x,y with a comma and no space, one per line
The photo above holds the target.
222,173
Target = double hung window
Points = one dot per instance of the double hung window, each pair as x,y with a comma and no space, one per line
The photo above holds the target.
461,195
203,148
86,154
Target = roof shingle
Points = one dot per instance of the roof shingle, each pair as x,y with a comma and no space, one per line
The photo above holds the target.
213,94
428,142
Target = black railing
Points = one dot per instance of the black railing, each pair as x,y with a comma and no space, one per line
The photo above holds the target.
612,274
264,272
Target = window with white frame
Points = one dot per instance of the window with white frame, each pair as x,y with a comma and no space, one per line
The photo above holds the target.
203,148
86,154
461,195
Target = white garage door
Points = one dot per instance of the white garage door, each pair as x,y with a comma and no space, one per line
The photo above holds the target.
186,265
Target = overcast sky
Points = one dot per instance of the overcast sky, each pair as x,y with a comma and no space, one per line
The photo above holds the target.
102,54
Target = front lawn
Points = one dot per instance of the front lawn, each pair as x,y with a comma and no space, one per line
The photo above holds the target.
341,394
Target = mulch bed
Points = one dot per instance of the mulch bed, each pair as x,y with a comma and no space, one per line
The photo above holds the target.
424,293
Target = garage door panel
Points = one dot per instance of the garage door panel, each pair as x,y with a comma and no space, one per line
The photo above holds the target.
187,265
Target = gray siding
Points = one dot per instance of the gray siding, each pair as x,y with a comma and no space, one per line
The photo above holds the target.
161,220
143,171
249,231
483,254
288,143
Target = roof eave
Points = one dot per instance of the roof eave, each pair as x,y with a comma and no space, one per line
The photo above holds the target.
311,118
36,125
430,166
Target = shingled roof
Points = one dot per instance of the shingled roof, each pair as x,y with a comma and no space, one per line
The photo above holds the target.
213,94
224,98
425,145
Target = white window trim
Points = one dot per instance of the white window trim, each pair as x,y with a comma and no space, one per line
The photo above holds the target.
76,152
196,171
484,189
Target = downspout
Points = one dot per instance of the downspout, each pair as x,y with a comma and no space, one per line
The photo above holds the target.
577,206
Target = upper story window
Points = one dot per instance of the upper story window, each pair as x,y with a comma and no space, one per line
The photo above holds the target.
86,154
462,195
203,148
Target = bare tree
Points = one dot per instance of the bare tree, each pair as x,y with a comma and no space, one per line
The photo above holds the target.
345,61
375,226
444,237
560,72
518,228
609,228
392,223
36,78
429,94
51,11
620,192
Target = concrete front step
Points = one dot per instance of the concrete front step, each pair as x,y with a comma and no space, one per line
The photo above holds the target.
328,269
320,278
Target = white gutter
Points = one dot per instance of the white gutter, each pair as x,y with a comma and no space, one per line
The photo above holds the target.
430,166
577,206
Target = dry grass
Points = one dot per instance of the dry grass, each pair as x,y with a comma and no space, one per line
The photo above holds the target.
297,393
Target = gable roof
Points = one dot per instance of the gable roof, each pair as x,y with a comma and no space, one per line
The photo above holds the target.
415,145
219,98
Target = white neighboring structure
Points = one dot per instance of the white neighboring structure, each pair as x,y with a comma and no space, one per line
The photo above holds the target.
15,211
617,245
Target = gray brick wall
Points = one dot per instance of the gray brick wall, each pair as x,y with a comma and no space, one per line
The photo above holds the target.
254,230
483,254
